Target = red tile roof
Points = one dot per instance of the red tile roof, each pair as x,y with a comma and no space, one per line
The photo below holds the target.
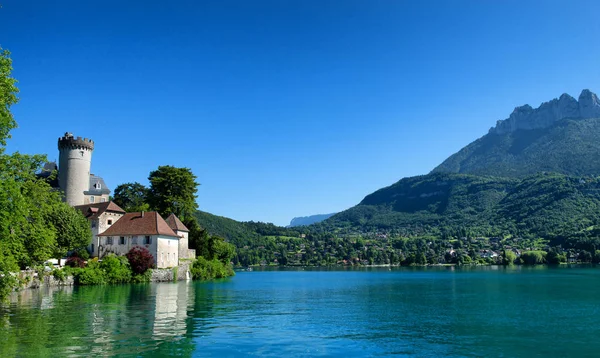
93,211
176,224
144,223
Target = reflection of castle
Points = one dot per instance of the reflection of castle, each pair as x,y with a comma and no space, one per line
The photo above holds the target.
114,230
170,315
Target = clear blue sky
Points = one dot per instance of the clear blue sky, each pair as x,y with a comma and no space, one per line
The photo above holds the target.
286,108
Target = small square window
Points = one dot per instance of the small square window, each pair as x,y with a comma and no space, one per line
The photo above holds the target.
122,240
147,240
109,222
109,240
92,199
134,240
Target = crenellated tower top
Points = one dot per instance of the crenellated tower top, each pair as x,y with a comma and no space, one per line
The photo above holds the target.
68,141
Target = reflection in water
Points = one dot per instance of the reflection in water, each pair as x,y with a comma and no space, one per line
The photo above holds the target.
138,320
451,312
170,315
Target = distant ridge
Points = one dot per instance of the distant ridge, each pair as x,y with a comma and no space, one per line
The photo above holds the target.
308,220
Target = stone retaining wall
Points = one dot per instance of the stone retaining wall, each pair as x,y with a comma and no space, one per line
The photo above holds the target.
168,274
33,281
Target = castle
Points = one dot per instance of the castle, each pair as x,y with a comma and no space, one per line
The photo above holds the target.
114,230
74,178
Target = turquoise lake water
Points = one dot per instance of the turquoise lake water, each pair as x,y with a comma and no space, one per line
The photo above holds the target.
420,312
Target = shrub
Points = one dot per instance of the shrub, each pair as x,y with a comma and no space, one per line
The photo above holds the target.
141,278
204,269
116,269
90,276
59,274
41,272
75,261
140,260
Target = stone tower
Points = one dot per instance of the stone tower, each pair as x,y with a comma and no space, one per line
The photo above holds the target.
74,161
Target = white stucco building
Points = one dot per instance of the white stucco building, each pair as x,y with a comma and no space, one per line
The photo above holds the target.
101,217
183,232
146,229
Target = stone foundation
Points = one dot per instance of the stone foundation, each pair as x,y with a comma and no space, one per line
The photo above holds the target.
168,274
33,281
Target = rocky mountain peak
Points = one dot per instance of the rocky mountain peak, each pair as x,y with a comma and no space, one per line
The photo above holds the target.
526,117
589,106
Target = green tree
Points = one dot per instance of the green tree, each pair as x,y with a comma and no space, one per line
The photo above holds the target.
534,257
173,191
555,256
73,231
131,197
509,257
8,97
27,234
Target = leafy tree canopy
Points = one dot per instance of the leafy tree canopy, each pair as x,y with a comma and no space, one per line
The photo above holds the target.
173,191
131,197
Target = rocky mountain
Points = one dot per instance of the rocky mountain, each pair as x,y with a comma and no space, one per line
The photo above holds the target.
559,136
534,174
308,220
548,113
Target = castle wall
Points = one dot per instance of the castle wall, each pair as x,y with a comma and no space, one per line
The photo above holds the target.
75,159
183,244
99,226
96,199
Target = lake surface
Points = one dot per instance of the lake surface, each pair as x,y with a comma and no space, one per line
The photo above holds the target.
421,312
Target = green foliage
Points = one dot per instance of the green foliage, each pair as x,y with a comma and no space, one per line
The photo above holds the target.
203,269
73,231
92,274
59,274
173,191
534,257
142,278
509,257
8,96
457,205
112,269
26,236
131,197
555,256
116,269
82,253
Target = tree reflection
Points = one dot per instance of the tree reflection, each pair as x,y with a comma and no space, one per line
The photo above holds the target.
138,320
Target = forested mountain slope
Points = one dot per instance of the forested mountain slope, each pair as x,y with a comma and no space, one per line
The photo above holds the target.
459,204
